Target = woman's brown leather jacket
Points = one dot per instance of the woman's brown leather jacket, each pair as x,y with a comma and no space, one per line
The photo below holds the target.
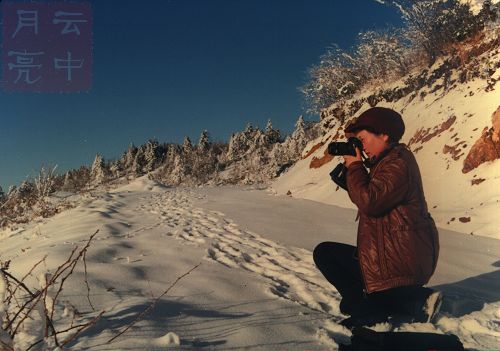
397,241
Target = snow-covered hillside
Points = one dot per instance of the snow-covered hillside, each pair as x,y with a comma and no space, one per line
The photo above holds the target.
451,131
256,288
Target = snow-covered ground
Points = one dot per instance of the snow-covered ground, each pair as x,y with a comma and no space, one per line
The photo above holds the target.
256,287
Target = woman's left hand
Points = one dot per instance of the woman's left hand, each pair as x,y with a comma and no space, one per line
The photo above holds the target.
348,159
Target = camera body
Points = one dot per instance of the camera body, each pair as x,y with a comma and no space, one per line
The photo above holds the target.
339,174
345,148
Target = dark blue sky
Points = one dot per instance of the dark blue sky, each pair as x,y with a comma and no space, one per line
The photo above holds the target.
167,69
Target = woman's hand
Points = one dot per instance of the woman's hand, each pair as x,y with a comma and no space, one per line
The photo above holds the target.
348,159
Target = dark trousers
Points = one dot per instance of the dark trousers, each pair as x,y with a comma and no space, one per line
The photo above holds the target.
340,266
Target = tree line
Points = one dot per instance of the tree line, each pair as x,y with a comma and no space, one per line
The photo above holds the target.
250,156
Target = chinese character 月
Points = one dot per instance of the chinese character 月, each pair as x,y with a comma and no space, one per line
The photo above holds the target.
27,19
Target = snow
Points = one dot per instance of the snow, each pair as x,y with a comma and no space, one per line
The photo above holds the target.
256,288
449,192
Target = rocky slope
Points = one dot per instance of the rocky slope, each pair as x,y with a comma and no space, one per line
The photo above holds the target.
452,116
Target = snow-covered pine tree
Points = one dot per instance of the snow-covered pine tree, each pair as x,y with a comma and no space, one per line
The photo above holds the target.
184,163
249,129
12,191
80,178
204,141
139,162
235,147
257,158
25,195
3,197
178,172
204,161
68,182
279,160
272,135
127,160
151,156
187,145
172,151
300,129
241,142
303,133
115,169
98,171
247,159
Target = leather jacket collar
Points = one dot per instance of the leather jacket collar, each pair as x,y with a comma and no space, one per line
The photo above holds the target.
371,162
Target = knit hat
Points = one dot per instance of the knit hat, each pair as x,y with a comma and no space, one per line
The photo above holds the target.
379,120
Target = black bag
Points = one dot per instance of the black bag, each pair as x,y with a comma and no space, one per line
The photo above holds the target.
364,339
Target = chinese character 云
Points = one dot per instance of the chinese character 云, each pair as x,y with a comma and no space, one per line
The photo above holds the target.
28,19
70,21
24,65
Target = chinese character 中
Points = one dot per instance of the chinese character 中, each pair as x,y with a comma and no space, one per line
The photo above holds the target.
24,65
70,23
68,64
28,19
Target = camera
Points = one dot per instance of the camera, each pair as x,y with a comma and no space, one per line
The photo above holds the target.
339,174
345,148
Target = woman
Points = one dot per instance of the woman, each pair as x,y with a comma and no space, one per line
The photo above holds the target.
397,242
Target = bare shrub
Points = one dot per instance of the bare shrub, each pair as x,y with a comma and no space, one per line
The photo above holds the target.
44,182
25,307
433,25
336,77
433,28
383,55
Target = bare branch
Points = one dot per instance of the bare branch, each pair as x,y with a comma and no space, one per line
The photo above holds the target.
152,305
20,283
7,346
25,305
86,280
83,327
72,264
30,271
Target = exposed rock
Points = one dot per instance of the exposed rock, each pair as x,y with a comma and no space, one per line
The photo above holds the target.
464,219
487,147
496,125
455,150
313,149
318,162
424,135
418,149
373,100
477,181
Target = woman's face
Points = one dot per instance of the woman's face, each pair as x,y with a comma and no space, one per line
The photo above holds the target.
373,144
